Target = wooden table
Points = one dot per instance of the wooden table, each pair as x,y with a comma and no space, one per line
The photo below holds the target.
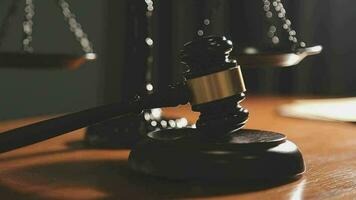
63,168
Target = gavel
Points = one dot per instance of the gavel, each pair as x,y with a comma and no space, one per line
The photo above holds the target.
218,148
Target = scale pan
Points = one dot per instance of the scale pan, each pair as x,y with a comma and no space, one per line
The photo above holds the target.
43,61
253,57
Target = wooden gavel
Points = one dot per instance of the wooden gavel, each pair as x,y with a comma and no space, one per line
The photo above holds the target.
218,148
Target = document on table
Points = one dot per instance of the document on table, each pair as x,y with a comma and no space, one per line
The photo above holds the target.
335,109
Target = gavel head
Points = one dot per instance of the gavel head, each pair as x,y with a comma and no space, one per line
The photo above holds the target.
216,84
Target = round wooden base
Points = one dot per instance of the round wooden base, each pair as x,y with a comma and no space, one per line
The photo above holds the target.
243,154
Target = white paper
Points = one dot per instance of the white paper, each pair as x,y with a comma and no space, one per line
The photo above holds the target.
336,109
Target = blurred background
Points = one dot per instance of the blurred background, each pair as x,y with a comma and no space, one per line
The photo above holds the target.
137,44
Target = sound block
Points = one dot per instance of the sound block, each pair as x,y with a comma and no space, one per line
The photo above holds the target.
244,154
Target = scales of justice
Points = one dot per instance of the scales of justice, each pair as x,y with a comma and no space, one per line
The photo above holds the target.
217,147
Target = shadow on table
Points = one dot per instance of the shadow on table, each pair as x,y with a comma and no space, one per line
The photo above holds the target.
71,147
117,181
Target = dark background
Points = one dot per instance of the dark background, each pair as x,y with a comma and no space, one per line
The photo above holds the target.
118,29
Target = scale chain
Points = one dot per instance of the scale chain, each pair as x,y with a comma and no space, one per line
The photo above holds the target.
75,27
28,26
207,18
286,23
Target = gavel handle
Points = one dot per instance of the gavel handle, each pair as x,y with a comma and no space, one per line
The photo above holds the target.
43,130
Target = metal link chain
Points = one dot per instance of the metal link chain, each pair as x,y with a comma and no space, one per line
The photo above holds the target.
76,27
150,43
208,17
28,26
286,23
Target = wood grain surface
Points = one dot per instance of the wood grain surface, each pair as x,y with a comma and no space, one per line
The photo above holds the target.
63,168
